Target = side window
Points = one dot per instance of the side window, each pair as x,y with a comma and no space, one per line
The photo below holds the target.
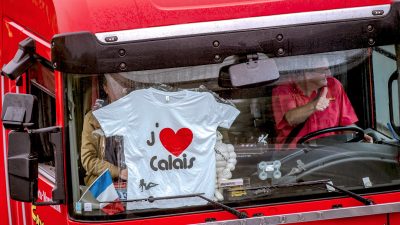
41,85
385,75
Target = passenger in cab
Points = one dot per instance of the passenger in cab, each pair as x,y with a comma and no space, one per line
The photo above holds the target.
312,101
98,152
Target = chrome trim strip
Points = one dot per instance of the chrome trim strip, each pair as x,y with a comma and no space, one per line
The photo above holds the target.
339,213
243,24
5,160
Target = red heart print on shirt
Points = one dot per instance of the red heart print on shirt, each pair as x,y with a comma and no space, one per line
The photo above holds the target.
177,142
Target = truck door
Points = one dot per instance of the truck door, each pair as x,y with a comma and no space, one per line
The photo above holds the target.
38,79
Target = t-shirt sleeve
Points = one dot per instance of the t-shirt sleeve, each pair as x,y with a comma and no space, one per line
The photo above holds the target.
282,102
112,117
222,114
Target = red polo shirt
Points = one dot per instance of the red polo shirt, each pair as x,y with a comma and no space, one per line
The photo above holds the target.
289,96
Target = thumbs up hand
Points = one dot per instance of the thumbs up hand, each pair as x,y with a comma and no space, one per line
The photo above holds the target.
322,102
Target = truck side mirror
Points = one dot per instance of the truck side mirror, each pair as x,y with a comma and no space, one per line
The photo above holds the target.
19,111
19,115
22,167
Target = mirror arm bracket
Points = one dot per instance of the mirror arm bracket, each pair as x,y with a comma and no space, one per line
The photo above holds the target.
45,130
58,193
22,61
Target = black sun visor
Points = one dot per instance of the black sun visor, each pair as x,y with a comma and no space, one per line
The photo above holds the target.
86,53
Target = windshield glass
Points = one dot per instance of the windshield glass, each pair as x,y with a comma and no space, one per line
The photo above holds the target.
223,130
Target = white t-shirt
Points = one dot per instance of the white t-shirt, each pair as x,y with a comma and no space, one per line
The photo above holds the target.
169,140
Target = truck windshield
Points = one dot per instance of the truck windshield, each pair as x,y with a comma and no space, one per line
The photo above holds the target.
189,130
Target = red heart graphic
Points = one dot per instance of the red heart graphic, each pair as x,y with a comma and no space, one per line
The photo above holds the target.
177,142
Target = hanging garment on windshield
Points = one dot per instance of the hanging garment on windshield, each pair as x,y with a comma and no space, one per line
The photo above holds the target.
169,140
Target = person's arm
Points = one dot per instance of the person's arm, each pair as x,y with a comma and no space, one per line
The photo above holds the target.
300,114
90,150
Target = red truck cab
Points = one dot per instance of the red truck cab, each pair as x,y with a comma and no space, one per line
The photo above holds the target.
191,112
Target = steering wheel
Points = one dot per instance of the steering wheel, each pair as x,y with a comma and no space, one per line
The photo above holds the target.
359,133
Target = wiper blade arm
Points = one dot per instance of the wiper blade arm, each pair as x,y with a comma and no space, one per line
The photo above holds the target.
237,213
240,215
357,197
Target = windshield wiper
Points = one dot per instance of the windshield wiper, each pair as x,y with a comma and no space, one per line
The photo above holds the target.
262,189
240,215
357,197
267,189
151,199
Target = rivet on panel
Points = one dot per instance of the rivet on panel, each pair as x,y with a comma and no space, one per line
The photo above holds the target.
371,41
216,44
122,66
121,52
279,37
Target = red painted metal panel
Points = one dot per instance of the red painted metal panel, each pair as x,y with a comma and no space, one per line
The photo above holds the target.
1,33
56,214
28,214
42,47
11,208
100,16
167,12
4,207
277,210
38,17
13,212
4,198
160,12
394,218
59,91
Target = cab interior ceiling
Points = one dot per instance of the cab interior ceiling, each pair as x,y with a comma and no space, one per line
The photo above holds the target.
82,53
